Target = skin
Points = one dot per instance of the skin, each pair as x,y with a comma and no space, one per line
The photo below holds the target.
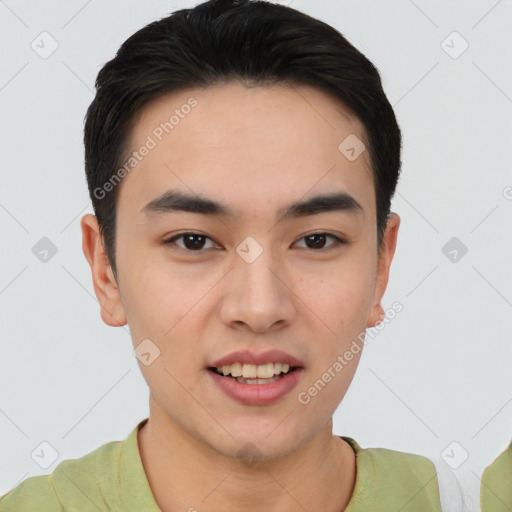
257,150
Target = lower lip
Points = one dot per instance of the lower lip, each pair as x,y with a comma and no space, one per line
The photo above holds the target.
257,394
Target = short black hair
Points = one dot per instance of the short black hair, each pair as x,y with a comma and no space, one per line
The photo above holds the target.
255,42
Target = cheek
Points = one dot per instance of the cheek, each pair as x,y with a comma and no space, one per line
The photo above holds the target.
340,304
326,387
157,296
342,298
167,307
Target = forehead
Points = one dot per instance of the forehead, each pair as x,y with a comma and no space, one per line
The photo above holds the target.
246,147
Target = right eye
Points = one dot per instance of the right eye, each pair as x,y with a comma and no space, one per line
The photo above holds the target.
192,242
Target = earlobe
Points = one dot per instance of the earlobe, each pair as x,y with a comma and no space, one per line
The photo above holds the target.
376,315
386,254
105,285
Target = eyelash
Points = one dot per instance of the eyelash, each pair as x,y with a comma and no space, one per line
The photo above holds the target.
338,241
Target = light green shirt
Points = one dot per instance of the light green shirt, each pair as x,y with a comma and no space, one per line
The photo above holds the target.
112,478
496,487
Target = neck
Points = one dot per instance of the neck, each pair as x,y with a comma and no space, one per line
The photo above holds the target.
187,474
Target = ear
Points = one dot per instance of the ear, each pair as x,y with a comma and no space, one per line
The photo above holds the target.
387,251
105,285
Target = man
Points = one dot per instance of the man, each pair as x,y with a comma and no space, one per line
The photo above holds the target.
241,159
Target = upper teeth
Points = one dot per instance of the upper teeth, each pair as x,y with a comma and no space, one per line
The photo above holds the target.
252,371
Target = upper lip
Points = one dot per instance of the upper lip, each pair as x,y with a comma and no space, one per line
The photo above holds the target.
251,357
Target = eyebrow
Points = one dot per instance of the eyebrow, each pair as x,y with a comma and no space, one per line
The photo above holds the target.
177,201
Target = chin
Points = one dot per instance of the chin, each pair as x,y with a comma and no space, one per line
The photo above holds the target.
256,444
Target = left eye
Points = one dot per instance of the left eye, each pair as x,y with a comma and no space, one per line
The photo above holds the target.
194,242
319,239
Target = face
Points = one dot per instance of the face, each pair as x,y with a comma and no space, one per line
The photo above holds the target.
246,270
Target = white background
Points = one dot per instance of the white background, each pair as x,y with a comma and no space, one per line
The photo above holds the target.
438,373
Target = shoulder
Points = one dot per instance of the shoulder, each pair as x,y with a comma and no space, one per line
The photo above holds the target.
34,493
496,488
405,465
400,479
75,483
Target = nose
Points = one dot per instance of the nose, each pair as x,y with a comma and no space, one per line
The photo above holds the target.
258,296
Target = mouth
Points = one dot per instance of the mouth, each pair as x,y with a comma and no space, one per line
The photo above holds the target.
254,374
256,378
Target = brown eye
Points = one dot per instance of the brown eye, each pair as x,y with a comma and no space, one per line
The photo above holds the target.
316,241
192,242
196,242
